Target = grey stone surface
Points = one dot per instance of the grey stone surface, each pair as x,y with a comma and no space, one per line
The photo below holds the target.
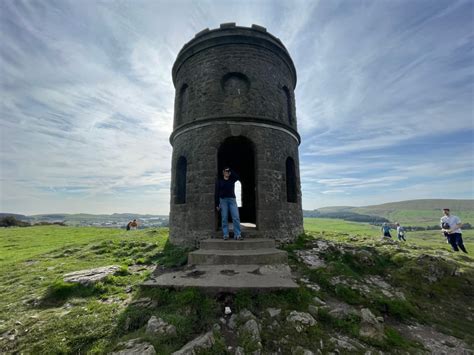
223,257
301,320
310,258
340,310
251,329
273,312
135,347
299,350
370,326
434,341
223,278
90,276
157,326
318,301
201,343
235,83
313,310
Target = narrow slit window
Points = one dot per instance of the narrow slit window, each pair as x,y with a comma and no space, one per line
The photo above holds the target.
290,180
289,110
180,188
183,104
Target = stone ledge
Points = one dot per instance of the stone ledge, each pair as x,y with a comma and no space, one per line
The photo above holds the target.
227,278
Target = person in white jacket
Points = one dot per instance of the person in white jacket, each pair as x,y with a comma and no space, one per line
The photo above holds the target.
451,228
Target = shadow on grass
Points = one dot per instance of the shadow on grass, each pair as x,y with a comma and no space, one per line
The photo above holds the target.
172,256
59,292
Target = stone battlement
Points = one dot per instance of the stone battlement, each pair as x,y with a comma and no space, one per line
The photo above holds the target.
230,33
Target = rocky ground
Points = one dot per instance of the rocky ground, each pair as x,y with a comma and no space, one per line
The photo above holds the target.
359,296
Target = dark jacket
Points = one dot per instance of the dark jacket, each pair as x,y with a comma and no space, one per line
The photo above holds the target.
226,188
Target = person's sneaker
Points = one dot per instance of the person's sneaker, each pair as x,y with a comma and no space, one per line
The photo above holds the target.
226,237
239,237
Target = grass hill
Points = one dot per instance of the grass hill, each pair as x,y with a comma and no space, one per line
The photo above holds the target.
413,212
356,295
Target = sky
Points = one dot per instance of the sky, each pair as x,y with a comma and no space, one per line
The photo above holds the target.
384,99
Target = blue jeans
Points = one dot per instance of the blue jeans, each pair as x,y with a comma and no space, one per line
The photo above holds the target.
455,239
226,204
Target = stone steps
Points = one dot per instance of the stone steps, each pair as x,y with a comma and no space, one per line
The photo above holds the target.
250,243
261,256
229,265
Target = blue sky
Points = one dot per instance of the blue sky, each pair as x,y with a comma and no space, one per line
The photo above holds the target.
384,98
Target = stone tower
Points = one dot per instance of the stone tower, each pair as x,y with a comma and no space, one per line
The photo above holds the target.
235,106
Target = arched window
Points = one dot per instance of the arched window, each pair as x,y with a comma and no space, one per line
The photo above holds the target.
290,180
180,181
289,110
235,84
183,104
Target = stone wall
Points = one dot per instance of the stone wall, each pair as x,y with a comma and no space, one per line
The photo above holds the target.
196,219
234,79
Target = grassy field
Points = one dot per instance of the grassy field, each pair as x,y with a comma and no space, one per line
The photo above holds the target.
47,316
40,313
432,239
414,212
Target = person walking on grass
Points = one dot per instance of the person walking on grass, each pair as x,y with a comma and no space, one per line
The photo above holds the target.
226,202
400,232
451,228
386,230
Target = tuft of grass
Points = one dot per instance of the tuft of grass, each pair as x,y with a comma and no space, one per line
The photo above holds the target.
349,324
397,308
60,291
349,295
171,256
395,340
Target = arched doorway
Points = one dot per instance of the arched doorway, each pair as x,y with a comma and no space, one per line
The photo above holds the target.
239,154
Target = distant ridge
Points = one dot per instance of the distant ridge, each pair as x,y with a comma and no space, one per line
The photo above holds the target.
419,212
424,204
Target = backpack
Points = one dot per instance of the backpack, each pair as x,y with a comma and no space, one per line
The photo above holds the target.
386,229
401,231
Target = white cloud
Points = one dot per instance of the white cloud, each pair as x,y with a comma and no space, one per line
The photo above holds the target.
87,98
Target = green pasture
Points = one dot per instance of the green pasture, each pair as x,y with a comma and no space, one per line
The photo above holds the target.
338,229
19,244
421,218
46,315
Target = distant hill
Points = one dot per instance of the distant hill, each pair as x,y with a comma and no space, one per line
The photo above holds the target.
412,212
85,219
19,217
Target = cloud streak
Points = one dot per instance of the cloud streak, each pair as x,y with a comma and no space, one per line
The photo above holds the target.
384,98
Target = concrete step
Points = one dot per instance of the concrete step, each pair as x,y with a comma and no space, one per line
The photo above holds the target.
262,256
226,278
245,233
246,244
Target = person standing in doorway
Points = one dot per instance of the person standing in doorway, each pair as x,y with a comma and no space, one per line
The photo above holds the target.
226,202
451,228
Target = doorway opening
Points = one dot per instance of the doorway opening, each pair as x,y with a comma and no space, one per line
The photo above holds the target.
239,154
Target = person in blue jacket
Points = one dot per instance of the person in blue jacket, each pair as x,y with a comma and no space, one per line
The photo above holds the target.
226,202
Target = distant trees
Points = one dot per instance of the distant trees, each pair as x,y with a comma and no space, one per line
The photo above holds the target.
11,221
347,216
